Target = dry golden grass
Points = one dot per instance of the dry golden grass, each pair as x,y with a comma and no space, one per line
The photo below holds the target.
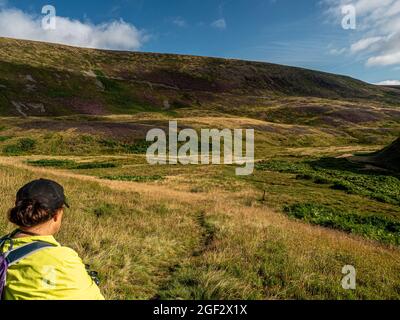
258,253
200,232
154,240
156,191
132,243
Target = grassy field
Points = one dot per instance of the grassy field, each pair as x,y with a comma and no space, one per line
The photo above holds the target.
80,116
198,232
201,232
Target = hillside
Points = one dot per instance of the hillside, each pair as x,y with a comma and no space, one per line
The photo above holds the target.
51,80
80,117
389,157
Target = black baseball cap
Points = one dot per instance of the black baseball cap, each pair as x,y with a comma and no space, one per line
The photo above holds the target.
49,193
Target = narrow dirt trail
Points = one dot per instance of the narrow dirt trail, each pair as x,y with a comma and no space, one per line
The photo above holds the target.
214,202
155,191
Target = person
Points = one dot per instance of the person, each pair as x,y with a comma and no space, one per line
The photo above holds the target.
42,269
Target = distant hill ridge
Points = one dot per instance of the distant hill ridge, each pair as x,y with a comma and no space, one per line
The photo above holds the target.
50,79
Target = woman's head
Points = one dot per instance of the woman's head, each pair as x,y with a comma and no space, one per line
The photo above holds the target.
40,203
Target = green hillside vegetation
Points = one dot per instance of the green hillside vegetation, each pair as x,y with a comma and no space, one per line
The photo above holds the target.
67,80
324,193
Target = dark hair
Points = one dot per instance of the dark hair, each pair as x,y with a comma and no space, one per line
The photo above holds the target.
30,213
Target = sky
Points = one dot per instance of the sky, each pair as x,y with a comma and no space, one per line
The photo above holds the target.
303,33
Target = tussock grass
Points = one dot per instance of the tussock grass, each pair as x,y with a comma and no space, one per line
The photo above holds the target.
122,236
258,254
152,241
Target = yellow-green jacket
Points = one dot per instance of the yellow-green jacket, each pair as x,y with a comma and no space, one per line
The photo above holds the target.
54,273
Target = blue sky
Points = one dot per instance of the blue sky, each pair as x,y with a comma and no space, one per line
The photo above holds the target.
300,33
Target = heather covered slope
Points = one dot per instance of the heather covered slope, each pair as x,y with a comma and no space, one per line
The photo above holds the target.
121,95
51,80
200,231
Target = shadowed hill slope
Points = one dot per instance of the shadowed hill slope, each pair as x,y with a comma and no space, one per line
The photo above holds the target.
390,156
387,158
49,79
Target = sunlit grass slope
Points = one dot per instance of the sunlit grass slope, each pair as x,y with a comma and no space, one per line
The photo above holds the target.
163,239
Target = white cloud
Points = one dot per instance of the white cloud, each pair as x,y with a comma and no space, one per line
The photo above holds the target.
179,21
337,52
378,24
219,24
384,60
389,83
364,44
115,35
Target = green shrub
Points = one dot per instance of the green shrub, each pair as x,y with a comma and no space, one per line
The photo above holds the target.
134,178
371,226
139,147
321,180
86,139
103,210
305,177
23,145
52,163
343,176
94,165
108,143
69,164
26,144
342,185
4,138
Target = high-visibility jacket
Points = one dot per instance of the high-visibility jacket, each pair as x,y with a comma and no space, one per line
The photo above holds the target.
53,273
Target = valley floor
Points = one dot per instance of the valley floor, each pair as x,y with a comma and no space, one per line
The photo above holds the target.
202,233
81,116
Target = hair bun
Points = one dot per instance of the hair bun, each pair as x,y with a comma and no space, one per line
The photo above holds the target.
29,213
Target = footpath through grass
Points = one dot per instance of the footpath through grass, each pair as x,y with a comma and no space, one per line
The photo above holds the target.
131,239
156,242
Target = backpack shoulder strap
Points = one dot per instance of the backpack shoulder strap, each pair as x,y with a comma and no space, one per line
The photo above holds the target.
16,255
8,238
